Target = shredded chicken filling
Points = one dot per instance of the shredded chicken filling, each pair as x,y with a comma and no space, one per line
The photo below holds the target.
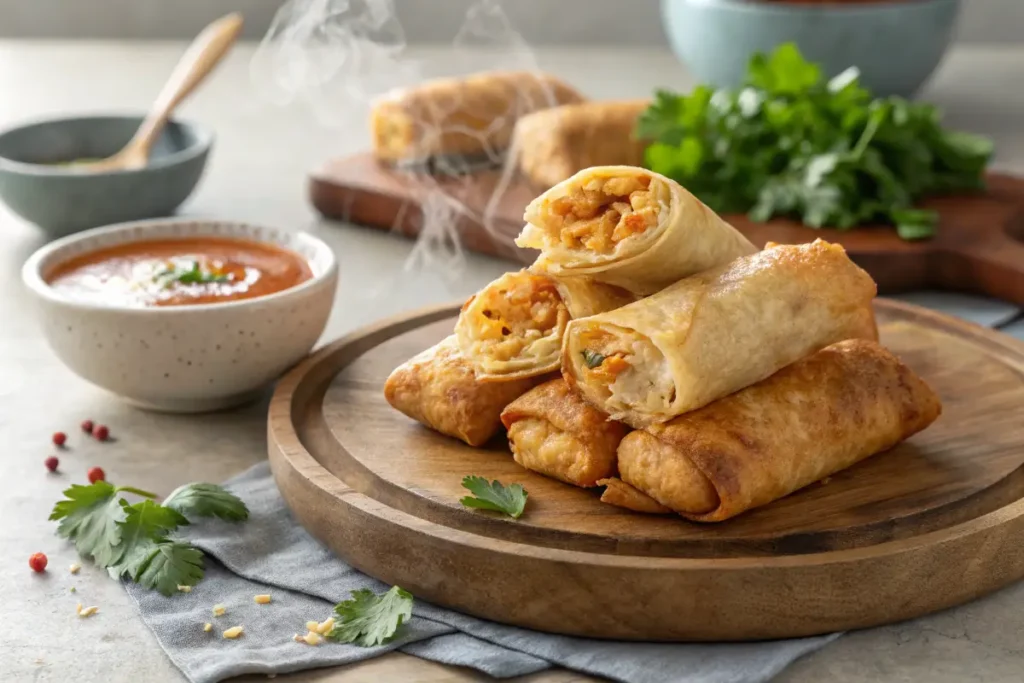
601,213
513,317
629,372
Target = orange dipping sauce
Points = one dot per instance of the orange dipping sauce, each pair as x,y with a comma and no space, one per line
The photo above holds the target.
201,270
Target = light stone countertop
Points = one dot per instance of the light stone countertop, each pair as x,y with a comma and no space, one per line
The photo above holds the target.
257,173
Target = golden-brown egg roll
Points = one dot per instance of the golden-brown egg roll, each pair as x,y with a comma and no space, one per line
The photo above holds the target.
714,333
627,226
816,417
470,116
438,389
513,327
553,144
553,431
620,494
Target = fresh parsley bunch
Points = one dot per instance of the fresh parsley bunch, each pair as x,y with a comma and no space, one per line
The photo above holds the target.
790,144
133,539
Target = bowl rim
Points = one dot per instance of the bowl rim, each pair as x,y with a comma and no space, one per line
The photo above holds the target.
32,276
782,7
204,139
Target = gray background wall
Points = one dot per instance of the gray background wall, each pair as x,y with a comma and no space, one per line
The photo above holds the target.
629,22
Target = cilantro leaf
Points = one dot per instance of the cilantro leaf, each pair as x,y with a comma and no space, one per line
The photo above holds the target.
495,496
165,565
791,143
145,524
207,500
131,539
89,517
591,359
368,619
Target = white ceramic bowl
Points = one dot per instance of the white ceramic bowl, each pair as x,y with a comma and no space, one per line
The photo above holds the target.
192,358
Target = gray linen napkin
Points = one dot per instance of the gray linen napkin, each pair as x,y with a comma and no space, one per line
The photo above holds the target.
272,554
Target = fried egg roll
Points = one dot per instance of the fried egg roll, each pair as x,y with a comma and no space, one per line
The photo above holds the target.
513,327
620,494
553,144
629,227
438,389
816,417
553,431
471,116
717,332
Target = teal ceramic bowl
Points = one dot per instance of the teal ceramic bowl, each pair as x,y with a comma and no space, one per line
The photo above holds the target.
61,200
896,44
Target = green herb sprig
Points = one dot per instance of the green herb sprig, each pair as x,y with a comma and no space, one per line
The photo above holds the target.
192,274
133,539
368,619
789,143
495,496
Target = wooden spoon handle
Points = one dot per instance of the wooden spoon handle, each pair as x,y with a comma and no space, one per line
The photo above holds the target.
199,60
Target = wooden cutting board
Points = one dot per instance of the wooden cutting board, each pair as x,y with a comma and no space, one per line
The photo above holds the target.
933,523
977,250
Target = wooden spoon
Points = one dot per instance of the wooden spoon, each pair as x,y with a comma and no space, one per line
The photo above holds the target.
199,60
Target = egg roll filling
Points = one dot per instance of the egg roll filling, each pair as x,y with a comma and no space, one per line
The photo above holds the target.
603,215
626,369
519,314
542,447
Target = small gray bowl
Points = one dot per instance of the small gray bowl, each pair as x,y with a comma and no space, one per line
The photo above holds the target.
62,200
896,44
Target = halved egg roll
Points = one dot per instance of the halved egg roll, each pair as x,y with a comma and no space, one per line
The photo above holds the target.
816,417
714,333
470,116
627,226
438,389
620,494
553,144
513,327
553,431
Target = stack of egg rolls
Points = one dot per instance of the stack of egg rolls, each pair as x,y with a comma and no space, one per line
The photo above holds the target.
699,376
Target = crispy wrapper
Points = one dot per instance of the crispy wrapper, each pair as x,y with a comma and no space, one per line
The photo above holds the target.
620,494
553,144
438,389
717,332
629,227
513,327
471,116
816,417
551,430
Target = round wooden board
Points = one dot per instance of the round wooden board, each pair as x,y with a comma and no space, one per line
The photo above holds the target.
933,523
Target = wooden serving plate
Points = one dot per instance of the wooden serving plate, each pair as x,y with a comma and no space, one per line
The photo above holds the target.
935,522
977,249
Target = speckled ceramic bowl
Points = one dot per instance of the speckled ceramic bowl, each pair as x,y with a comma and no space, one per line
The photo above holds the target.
61,200
193,358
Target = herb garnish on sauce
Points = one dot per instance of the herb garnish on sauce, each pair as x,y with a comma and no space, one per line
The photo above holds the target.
193,274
